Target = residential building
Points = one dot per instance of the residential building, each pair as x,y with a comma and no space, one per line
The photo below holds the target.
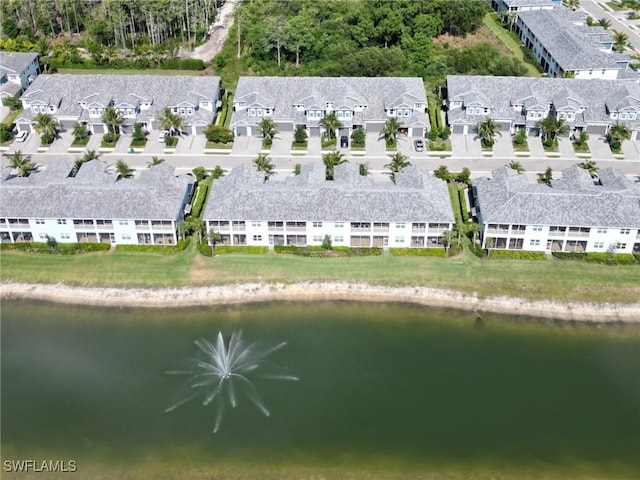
356,101
565,45
94,205
572,214
521,102
17,71
512,6
140,99
353,210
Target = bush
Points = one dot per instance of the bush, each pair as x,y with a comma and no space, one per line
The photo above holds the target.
521,137
218,134
477,250
217,172
254,250
12,102
59,248
318,251
170,141
517,254
182,64
47,139
205,249
327,143
463,206
110,139
5,132
418,252
454,250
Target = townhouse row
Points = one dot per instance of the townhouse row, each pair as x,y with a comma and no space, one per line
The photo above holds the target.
574,213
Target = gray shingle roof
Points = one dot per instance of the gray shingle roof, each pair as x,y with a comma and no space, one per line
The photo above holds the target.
573,46
502,93
15,62
281,93
575,200
243,195
157,194
67,91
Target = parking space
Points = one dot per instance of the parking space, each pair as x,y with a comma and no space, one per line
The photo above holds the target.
29,145
599,148
189,144
503,147
405,146
123,144
631,150
535,147
465,145
282,143
153,146
314,147
565,148
375,146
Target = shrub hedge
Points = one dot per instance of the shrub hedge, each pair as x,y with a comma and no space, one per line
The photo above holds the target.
222,249
517,254
164,249
604,258
318,251
463,206
205,249
59,249
477,250
201,195
418,252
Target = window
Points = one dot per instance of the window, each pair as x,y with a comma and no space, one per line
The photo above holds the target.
338,238
537,228
598,245
602,230
399,239
39,221
126,236
64,236
399,225
317,238
62,221
257,238
625,231
256,224
621,246
339,225
238,225
534,242
123,222
43,236
317,224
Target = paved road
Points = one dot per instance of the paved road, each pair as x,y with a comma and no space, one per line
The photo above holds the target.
618,20
479,166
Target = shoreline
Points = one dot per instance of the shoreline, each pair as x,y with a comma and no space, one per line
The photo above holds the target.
317,291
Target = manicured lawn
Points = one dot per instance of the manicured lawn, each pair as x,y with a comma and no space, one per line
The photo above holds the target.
548,279
11,116
492,22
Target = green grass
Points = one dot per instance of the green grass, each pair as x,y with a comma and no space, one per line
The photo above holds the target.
512,42
538,280
80,142
584,148
226,146
11,116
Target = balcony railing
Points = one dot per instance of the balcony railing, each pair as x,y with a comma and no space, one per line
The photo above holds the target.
418,229
578,234
276,229
296,229
557,234
499,231
518,232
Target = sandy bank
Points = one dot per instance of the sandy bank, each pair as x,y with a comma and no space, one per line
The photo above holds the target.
316,291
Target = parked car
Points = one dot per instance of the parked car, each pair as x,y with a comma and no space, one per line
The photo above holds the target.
419,145
21,136
163,134
344,141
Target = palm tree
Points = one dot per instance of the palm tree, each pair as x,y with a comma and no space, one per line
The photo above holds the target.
330,122
183,228
46,126
43,47
79,131
604,23
154,161
123,170
390,130
551,127
517,166
171,121
620,40
616,134
268,128
87,157
572,4
397,164
21,163
331,160
66,51
263,164
546,177
363,168
590,166
487,130
113,119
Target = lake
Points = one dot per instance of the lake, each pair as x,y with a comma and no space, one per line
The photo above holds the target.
384,391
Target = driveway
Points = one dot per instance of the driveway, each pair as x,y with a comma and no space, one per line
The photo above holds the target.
465,145
631,150
247,146
566,149
191,144
599,148
536,148
30,145
282,143
375,147
314,147
503,147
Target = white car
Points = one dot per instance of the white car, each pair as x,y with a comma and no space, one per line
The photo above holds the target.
21,136
163,134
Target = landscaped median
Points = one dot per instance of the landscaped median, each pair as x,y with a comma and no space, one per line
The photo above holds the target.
540,280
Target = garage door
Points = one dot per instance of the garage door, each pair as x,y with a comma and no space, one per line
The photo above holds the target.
416,132
241,131
458,129
285,127
314,131
597,129
374,127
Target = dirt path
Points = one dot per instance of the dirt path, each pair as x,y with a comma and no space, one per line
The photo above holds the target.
208,50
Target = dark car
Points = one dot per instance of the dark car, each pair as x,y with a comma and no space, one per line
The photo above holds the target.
419,145
344,141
